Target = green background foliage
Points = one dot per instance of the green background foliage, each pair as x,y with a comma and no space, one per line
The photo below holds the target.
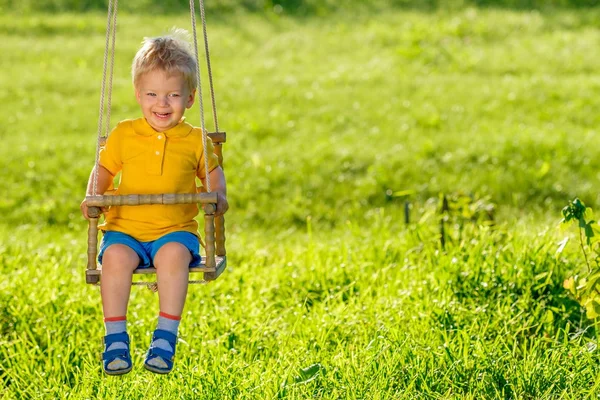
303,7
333,123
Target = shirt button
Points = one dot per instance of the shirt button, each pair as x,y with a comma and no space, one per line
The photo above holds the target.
159,136
158,152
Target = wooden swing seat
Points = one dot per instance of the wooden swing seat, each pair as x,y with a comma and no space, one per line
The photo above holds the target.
213,264
93,275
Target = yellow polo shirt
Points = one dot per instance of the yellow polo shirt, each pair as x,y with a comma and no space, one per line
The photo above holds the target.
154,162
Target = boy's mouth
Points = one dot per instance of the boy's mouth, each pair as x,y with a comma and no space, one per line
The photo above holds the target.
162,115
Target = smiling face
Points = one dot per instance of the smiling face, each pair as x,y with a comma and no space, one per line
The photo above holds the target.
163,98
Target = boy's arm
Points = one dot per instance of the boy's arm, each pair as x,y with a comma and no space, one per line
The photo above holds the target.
105,178
218,185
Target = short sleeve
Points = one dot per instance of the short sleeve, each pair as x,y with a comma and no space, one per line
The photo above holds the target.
110,154
213,160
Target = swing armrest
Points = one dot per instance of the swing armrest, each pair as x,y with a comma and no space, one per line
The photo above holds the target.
144,199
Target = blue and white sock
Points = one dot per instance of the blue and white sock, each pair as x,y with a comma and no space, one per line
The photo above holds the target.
169,323
116,325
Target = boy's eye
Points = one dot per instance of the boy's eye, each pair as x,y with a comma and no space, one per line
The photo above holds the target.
151,94
174,94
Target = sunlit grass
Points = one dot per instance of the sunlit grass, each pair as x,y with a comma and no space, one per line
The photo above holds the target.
329,294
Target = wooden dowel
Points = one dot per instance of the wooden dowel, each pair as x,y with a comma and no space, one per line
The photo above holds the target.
94,212
145,199
220,235
219,153
209,235
218,139
92,243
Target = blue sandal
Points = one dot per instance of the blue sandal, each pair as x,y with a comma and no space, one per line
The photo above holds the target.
117,354
165,355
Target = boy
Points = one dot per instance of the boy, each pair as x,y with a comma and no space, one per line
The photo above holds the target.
159,153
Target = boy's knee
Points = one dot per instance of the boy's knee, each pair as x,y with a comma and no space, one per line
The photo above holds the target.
119,254
171,252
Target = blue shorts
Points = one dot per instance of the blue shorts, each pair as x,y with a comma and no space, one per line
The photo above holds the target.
147,250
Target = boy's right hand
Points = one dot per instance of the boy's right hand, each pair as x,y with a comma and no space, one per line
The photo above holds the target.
85,209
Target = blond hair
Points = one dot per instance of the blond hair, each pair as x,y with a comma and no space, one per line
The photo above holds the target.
171,53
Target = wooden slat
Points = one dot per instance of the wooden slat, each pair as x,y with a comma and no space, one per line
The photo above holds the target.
221,262
211,276
209,239
220,236
218,137
219,153
145,199
92,242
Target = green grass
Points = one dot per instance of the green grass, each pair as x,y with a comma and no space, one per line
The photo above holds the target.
330,294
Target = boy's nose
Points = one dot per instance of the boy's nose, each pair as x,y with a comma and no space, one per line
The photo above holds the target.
163,101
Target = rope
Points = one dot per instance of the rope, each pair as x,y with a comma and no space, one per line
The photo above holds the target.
200,101
109,28
153,286
112,67
210,79
199,281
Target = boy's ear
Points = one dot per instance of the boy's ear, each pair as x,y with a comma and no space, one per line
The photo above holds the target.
191,99
137,96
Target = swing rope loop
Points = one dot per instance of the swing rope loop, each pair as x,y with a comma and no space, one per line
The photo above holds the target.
200,100
153,286
111,29
208,67
112,68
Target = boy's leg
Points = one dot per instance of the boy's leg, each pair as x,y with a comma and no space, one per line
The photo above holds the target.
118,263
172,262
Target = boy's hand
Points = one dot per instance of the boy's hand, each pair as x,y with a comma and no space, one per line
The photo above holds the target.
222,204
218,179
84,209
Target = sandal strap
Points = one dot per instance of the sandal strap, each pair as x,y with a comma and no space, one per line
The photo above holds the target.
165,335
116,353
166,355
116,337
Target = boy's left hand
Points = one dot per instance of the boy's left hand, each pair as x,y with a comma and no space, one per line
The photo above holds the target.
222,204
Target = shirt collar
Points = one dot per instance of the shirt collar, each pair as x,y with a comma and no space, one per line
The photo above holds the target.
142,127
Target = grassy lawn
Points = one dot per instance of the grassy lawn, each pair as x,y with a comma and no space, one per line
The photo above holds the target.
333,123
